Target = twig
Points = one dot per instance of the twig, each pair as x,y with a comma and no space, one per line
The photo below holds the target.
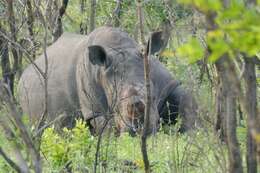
147,110
146,54
99,143
5,96
41,129
44,75
141,23
9,161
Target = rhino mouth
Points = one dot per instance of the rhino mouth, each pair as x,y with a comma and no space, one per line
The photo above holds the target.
136,127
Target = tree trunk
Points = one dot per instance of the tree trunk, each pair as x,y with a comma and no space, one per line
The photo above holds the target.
12,27
24,134
83,29
251,109
235,161
146,54
92,21
11,163
58,30
147,110
5,63
229,89
251,106
220,125
224,67
140,21
30,24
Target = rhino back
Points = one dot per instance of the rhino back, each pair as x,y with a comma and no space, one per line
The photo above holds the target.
62,93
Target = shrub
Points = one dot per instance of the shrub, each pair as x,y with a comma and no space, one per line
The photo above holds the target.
72,148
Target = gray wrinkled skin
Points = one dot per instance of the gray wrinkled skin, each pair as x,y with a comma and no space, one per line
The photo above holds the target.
62,88
102,74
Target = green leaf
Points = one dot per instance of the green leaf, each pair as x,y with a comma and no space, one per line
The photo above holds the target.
218,47
192,50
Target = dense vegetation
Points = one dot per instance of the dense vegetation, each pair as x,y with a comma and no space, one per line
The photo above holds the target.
213,49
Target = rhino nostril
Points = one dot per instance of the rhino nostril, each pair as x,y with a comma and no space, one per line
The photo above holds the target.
136,108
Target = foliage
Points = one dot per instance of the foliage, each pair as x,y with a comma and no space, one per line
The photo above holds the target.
238,30
3,142
73,146
192,49
200,151
169,151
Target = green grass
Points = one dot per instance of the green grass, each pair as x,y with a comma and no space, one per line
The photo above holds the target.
195,152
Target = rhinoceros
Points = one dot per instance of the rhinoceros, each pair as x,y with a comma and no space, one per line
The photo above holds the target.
101,76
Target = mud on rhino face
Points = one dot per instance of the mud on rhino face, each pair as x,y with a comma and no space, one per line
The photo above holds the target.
121,74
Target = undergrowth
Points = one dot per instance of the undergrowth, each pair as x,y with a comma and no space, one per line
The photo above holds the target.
74,150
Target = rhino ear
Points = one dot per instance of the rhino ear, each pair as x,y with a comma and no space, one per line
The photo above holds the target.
97,55
155,43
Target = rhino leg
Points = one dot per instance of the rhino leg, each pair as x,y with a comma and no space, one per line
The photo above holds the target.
96,125
100,125
179,103
68,120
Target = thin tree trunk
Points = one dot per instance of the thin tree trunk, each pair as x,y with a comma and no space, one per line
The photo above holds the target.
5,96
23,43
235,161
147,110
140,21
220,125
10,162
5,63
82,6
240,114
58,30
30,24
146,55
83,29
229,91
226,72
44,74
251,106
100,133
12,26
15,146
92,21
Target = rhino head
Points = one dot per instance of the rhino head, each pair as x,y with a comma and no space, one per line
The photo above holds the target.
121,74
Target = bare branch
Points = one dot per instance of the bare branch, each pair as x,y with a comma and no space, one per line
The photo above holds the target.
92,21
141,22
58,26
6,97
99,143
10,162
117,13
146,55
10,135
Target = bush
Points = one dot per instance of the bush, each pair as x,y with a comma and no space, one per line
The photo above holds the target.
73,148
